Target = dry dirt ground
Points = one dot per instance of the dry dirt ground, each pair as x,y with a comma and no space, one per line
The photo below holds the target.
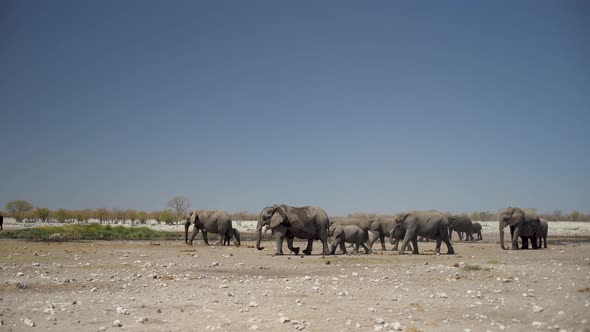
169,286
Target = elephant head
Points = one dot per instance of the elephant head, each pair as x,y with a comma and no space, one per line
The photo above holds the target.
190,218
397,226
271,216
511,216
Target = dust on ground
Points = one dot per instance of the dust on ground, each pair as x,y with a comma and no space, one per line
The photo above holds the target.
169,286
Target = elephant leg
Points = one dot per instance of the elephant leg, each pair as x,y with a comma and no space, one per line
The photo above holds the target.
367,248
307,250
355,251
382,238
396,245
437,250
343,247
450,250
195,232
515,232
405,243
545,240
415,243
280,238
205,237
221,239
290,246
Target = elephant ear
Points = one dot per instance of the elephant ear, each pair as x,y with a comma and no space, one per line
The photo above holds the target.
278,217
337,232
193,216
515,216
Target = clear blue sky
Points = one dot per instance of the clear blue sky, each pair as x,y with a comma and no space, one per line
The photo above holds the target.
376,106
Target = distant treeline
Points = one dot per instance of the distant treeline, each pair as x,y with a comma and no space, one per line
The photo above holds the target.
556,215
24,211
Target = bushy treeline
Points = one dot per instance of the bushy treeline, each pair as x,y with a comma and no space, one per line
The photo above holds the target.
24,211
556,215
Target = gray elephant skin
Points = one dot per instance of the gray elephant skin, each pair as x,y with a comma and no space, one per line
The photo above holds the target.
307,222
235,234
381,228
215,221
341,234
460,224
477,230
544,232
428,224
523,225
364,224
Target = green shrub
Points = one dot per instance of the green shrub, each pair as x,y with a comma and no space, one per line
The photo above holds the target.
90,232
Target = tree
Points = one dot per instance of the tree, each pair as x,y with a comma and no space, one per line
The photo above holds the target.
179,205
61,215
42,214
168,216
575,216
18,208
102,215
142,216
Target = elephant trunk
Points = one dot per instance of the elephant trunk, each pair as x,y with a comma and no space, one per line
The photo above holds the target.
502,236
259,234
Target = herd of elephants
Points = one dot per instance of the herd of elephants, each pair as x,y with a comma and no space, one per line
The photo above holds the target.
312,223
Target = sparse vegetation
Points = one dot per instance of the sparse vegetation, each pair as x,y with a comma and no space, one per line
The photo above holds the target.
89,232
471,267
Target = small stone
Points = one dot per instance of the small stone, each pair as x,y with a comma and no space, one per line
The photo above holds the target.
307,278
442,295
141,320
20,274
159,310
284,320
29,323
122,311
117,323
379,321
21,285
102,328
371,309
537,308
396,326
537,324
254,327
253,304
94,289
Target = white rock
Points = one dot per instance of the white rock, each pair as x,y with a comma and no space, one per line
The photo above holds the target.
537,324
537,308
122,311
94,289
442,295
20,274
284,320
254,327
307,278
379,321
371,309
253,304
117,323
141,320
29,323
378,328
396,326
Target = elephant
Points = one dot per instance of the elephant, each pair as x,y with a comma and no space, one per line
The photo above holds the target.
363,224
380,227
428,224
215,221
477,230
544,231
234,233
307,222
349,234
460,224
523,225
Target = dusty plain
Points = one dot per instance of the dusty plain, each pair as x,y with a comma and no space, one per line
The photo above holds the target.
169,286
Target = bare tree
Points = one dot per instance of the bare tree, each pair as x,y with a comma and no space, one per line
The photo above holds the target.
179,204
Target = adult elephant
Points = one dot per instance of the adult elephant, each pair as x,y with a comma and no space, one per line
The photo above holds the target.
428,224
460,224
217,222
307,222
523,225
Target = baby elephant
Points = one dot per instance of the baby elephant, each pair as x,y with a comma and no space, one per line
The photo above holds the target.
349,234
